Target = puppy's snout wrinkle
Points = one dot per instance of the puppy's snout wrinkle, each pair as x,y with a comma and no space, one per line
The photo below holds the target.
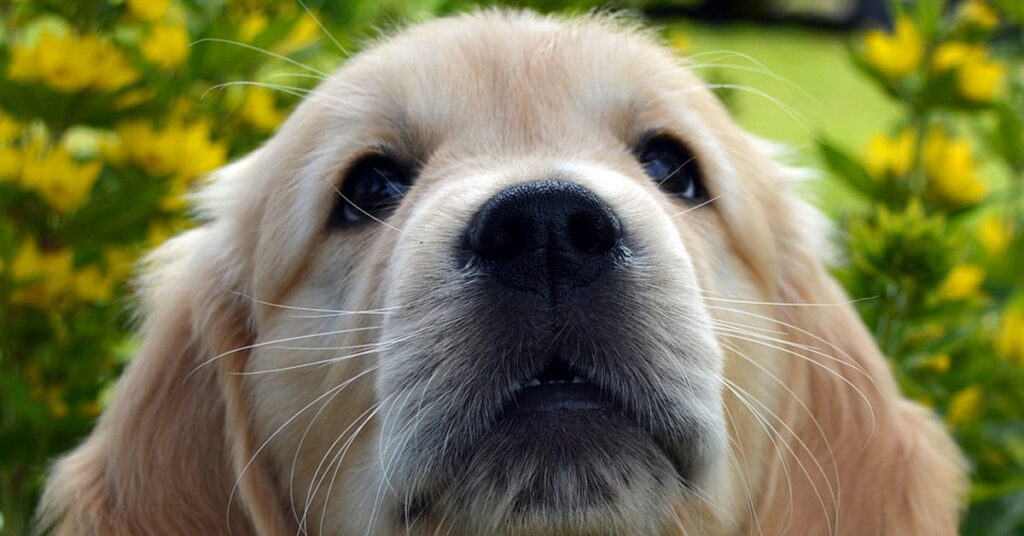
549,236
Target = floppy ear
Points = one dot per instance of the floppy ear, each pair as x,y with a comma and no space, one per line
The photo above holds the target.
166,455
875,462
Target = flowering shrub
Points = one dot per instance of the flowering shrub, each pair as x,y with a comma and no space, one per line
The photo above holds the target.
938,250
106,121
110,111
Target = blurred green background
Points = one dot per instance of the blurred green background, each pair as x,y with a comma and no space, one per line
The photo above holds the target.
912,111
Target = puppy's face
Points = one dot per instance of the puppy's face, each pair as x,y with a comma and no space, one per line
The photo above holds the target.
488,253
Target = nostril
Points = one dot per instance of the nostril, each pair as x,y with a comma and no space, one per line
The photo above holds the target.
592,232
503,239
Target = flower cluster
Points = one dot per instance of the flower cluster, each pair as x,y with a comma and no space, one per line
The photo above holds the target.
107,120
70,63
902,55
941,249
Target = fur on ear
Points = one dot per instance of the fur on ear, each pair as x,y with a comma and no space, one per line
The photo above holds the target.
167,455
868,461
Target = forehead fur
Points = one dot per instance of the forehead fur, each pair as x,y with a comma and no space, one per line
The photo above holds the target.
506,78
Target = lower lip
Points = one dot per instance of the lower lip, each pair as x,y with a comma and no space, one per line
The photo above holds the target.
553,397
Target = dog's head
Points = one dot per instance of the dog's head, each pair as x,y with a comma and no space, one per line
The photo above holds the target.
504,274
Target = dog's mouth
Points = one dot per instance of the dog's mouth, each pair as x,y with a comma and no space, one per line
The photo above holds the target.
558,387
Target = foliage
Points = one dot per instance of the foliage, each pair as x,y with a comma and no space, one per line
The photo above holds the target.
937,253
107,119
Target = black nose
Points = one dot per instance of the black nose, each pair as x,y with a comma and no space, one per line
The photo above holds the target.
547,236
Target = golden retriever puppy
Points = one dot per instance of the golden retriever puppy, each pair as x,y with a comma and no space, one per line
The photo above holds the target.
505,274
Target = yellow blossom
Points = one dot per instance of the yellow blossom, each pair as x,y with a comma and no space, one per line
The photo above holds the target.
940,363
965,405
69,63
978,13
898,54
91,409
56,176
891,157
994,234
179,149
1010,335
981,79
962,282
148,9
165,46
134,97
952,54
54,399
679,42
10,163
9,128
258,110
302,34
157,234
950,170
92,285
40,276
119,261
252,25
174,198
978,77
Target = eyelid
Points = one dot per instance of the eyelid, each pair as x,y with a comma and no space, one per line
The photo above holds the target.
375,151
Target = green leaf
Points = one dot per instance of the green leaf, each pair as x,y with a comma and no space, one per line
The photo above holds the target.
849,169
1010,135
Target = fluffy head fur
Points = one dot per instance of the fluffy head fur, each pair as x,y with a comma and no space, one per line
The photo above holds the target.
297,378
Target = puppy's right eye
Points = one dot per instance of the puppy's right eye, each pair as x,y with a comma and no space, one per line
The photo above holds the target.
372,188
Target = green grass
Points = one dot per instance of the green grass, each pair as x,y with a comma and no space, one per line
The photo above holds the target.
801,85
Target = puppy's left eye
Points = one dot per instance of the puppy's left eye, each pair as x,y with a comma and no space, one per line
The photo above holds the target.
673,167
372,188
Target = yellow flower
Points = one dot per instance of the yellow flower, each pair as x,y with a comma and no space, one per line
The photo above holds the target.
258,110
679,42
1010,335
981,79
54,399
166,46
148,9
90,284
157,234
134,97
252,25
69,63
10,163
950,170
962,282
890,157
940,363
181,149
9,128
303,33
952,54
895,55
965,405
994,235
978,13
90,410
40,277
56,176
119,261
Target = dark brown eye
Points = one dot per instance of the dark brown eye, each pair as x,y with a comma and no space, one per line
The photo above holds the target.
372,188
673,167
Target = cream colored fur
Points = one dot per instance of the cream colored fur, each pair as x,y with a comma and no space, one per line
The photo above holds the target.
229,421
